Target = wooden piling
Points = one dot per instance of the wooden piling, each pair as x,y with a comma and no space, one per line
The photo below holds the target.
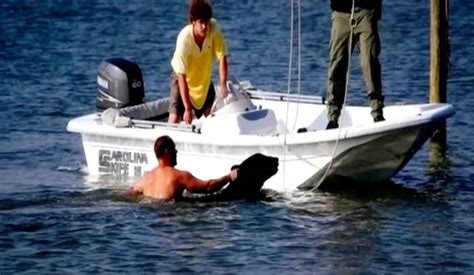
439,63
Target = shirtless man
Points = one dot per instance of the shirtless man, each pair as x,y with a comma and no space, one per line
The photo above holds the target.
166,183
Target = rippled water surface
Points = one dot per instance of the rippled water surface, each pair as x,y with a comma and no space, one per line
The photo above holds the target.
54,218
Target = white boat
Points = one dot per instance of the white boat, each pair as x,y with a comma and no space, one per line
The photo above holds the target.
290,127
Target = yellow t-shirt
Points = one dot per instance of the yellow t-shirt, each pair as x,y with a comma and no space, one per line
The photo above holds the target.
195,63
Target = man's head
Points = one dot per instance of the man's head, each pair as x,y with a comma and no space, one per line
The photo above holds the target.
200,13
165,149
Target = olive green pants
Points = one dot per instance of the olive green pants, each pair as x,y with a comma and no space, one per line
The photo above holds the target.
366,37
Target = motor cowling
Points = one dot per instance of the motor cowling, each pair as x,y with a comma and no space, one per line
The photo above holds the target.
119,84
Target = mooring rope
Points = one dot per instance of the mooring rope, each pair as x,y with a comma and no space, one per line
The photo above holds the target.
299,69
290,65
352,22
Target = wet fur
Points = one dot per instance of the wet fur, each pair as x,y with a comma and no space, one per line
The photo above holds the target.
253,172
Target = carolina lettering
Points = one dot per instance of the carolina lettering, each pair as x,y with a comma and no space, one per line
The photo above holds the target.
118,162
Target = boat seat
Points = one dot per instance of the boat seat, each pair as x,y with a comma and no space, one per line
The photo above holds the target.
152,110
255,122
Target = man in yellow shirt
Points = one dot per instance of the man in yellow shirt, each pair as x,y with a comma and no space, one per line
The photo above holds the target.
198,45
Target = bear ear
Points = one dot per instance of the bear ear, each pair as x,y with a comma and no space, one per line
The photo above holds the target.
234,167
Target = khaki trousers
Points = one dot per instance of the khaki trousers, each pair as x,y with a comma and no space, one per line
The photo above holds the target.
366,37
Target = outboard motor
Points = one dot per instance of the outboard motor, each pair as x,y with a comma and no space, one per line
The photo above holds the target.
119,84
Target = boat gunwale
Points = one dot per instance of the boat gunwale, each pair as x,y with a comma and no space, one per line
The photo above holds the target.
83,125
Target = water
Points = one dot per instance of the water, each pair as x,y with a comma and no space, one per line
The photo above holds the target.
54,218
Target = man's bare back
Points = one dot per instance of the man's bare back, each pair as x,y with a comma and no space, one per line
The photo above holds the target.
160,183
166,183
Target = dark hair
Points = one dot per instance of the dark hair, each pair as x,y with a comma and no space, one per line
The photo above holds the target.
163,144
199,9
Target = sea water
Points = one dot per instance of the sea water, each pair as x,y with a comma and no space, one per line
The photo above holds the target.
54,218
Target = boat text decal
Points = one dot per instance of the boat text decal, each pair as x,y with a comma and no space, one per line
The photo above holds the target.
121,162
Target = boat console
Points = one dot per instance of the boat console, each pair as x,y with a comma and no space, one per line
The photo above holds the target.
238,115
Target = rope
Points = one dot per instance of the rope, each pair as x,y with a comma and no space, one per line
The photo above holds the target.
290,64
299,68
352,22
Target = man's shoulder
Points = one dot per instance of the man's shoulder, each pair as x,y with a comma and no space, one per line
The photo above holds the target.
163,174
171,171
149,176
185,34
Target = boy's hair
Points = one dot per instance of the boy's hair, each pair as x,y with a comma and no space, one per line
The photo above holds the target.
162,145
199,10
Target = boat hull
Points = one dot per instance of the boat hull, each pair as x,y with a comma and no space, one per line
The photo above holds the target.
369,158
360,150
375,161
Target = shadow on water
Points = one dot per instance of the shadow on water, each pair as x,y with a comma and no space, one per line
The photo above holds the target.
339,196
387,189
439,172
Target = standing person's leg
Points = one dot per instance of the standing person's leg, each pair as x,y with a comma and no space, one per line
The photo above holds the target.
369,45
176,107
337,69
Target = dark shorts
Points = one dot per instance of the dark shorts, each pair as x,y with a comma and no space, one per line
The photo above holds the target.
176,104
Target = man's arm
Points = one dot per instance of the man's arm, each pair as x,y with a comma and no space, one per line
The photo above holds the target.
220,53
223,70
184,92
195,185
